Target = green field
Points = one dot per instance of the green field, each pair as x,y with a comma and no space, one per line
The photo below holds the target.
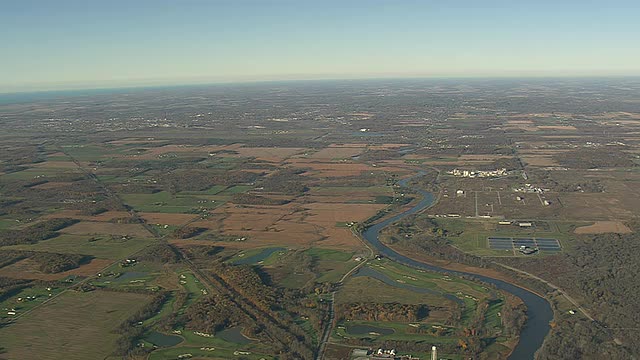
88,320
21,304
139,276
92,152
39,173
270,259
429,280
102,246
237,189
413,286
165,202
7,223
360,287
217,353
331,264
473,234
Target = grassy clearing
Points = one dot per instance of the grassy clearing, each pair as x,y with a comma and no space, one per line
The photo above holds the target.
37,173
75,326
214,190
139,276
434,281
7,224
237,189
474,233
274,258
167,203
323,254
331,264
113,179
348,190
362,287
102,246
166,310
218,353
262,256
164,229
92,152
20,304
381,290
193,286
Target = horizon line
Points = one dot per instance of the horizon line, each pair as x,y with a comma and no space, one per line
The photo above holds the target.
154,84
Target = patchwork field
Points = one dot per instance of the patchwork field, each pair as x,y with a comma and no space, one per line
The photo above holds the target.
252,200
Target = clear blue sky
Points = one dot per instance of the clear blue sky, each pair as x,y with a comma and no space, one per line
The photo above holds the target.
51,44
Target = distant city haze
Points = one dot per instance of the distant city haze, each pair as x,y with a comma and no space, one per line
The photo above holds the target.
72,44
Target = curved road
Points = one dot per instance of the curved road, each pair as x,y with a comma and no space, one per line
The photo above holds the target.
539,312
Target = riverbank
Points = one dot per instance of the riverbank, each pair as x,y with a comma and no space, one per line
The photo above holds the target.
464,268
539,312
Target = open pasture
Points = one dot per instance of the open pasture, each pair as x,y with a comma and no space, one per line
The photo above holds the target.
164,202
146,152
269,154
336,169
35,173
92,227
75,214
63,165
167,219
88,320
335,152
104,246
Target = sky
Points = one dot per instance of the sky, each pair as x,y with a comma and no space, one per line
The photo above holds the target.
67,44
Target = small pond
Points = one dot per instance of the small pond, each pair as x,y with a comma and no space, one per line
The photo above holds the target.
233,335
129,275
163,340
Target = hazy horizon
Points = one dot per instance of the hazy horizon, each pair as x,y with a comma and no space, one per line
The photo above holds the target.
23,95
80,45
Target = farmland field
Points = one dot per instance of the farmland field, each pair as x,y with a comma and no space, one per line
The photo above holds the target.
233,217
85,318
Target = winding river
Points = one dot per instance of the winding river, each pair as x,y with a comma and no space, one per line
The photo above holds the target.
539,312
